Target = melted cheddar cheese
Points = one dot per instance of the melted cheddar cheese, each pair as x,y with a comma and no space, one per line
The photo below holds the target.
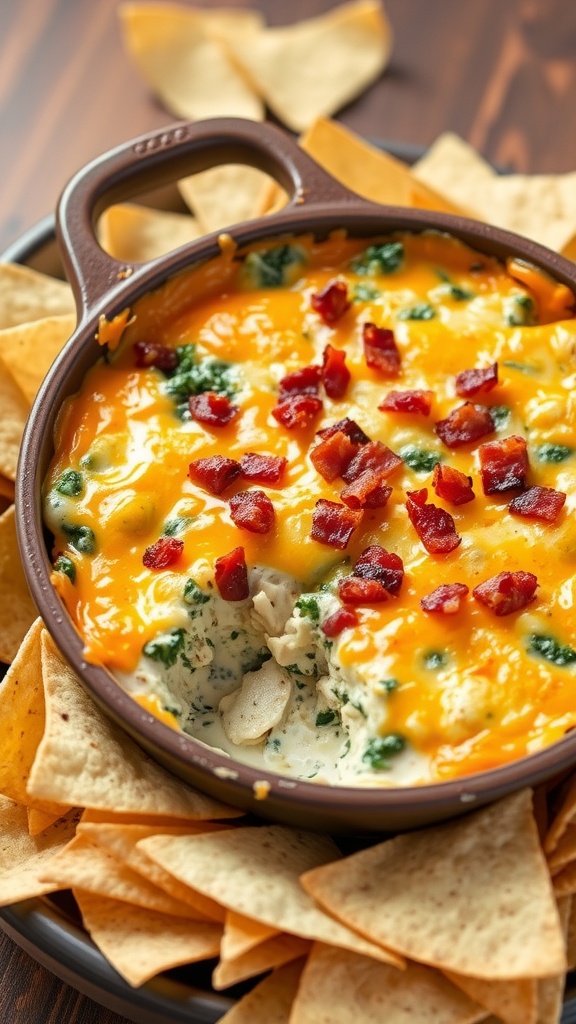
448,694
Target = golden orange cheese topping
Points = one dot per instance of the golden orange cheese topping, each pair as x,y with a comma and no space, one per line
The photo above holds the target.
455,655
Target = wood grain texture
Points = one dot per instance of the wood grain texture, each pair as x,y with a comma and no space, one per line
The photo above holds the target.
501,73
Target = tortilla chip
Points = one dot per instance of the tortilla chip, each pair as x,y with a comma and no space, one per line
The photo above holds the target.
26,295
563,816
255,871
140,943
454,169
540,206
472,896
23,858
271,1000
369,171
22,719
39,820
274,952
17,609
177,54
313,68
339,986
30,349
551,990
565,851
121,841
137,234
15,411
224,195
514,1002
86,760
86,866
241,934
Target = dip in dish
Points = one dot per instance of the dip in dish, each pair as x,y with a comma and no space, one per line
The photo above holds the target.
322,519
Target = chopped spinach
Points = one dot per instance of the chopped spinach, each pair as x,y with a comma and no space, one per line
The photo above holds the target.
172,527
526,368
274,268
458,293
521,311
256,660
165,647
309,607
379,259
381,748
419,311
419,459
70,483
364,293
81,537
389,685
553,452
500,415
193,376
66,565
548,647
193,594
326,717
435,659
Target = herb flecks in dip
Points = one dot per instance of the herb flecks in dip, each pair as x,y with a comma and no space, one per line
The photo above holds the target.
317,507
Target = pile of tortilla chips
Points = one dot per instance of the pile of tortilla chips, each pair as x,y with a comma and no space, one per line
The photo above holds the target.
469,921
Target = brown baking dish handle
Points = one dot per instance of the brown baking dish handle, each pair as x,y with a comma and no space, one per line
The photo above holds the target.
165,156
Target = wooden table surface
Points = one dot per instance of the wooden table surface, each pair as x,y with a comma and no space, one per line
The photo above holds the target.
501,73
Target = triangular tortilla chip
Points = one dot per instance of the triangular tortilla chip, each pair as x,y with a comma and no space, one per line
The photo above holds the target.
223,196
551,990
30,349
271,1000
369,171
137,234
86,760
274,952
174,50
23,858
15,411
26,294
454,169
471,896
140,943
356,988
313,68
514,1002
242,934
17,609
255,872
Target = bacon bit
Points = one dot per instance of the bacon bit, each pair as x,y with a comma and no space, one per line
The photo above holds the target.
452,485
163,553
380,349
335,373
408,401
331,302
333,524
367,491
356,590
215,473
263,469
465,424
503,464
538,503
231,575
332,455
212,409
297,410
472,382
341,619
305,381
507,592
148,353
446,599
434,526
374,456
375,563
348,427
253,511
